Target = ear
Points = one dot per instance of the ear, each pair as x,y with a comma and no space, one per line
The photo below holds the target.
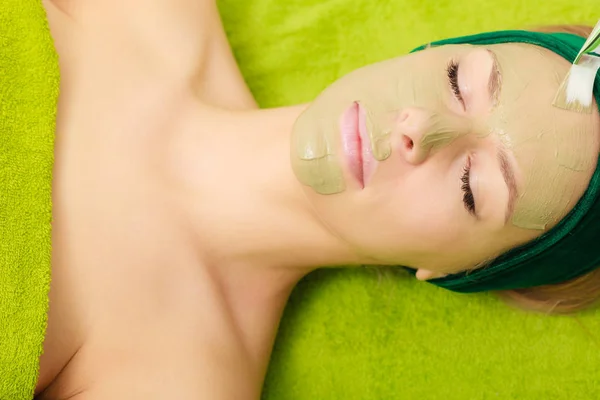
425,274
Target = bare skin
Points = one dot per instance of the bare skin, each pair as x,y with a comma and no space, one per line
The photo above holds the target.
179,226
136,311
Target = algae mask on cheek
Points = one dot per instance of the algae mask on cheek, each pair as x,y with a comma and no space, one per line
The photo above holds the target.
415,101
316,152
553,148
383,89
313,157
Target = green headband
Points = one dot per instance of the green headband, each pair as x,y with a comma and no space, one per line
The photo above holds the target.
570,249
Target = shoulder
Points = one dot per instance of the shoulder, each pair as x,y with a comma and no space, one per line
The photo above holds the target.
77,8
168,35
154,23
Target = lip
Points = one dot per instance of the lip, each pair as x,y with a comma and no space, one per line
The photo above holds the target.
356,144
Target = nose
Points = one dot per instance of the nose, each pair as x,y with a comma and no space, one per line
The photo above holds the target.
413,124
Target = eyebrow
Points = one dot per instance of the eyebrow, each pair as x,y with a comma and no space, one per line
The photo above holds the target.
509,178
495,82
506,167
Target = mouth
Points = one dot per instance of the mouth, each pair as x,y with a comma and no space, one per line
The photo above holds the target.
356,144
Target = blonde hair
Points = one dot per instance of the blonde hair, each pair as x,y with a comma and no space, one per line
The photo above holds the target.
566,297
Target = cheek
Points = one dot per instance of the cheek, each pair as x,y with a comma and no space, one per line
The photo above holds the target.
430,212
414,215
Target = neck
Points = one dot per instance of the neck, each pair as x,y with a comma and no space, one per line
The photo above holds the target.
248,214
246,206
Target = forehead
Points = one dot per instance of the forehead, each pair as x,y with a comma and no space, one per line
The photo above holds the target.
530,78
556,150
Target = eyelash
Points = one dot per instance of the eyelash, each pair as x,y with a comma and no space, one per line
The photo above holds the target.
468,198
452,72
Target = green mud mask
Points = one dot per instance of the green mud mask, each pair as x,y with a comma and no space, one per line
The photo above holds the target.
550,147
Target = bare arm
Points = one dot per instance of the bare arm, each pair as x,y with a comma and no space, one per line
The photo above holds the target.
185,37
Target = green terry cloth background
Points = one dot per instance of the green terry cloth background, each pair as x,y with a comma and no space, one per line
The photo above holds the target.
357,334
29,82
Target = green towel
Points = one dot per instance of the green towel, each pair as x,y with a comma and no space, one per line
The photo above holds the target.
29,83
359,334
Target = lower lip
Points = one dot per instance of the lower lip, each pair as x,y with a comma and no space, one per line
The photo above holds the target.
356,144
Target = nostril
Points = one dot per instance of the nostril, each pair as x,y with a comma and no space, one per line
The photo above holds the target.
408,142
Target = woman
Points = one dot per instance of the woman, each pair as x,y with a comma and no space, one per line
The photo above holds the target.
201,227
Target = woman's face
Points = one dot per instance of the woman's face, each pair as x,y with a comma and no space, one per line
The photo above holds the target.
447,157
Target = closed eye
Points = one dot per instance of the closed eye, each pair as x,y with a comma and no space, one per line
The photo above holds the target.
468,198
452,72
